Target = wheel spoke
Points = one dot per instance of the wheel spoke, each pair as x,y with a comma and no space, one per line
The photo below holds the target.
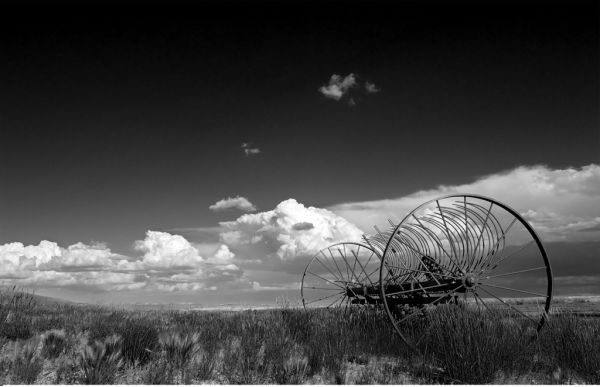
497,244
315,287
361,267
336,265
336,300
352,274
477,296
514,290
422,271
510,306
416,290
325,279
324,298
495,265
327,267
516,272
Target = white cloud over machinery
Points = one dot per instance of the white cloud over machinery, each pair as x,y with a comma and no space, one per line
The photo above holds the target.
238,202
286,232
561,204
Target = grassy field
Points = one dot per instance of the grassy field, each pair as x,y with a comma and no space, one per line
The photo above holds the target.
43,342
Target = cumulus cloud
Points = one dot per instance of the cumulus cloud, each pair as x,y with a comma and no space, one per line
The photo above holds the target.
347,88
249,150
168,262
164,250
238,202
338,86
562,204
289,231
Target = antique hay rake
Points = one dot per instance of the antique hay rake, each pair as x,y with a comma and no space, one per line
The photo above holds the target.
467,250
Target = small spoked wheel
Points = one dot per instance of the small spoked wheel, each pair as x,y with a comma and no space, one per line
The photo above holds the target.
468,250
341,275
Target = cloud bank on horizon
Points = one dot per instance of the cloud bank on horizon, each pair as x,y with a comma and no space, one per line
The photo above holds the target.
561,204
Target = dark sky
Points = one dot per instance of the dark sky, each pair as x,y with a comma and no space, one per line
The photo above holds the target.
116,119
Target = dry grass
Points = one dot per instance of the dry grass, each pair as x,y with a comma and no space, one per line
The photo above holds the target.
76,344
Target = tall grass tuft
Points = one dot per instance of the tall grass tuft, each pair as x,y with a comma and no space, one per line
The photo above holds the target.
100,361
54,344
26,363
179,348
139,340
16,308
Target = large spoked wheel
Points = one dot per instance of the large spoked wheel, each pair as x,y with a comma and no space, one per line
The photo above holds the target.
338,276
468,250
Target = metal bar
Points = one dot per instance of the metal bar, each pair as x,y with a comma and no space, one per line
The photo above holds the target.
315,287
336,265
510,306
514,290
426,272
324,298
361,266
416,290
327,267
324,279
345,260
336,300
503,237
507,256
516,272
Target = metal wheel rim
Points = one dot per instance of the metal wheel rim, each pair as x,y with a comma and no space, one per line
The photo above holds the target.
517,218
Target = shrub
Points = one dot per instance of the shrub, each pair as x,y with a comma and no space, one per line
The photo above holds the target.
139,337
100,361
26,364
67,371
179,349
294,370
202,368
158,372
54,344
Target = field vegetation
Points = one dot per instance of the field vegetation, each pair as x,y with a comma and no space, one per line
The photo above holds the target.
60,343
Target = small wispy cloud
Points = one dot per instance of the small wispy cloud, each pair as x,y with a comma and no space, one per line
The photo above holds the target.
347,88
370,88
338,86
238,202
249,150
